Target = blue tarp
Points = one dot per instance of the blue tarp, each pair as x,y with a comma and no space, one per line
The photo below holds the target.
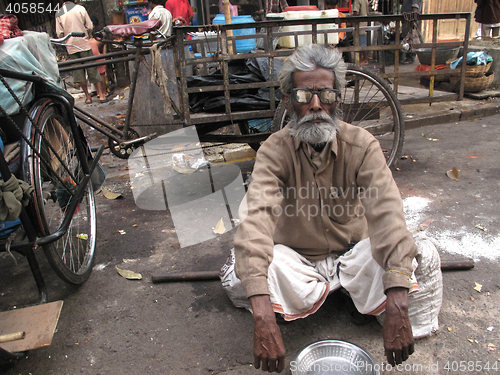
473,58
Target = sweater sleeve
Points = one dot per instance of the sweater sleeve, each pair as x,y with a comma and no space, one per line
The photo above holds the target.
392,244
253,244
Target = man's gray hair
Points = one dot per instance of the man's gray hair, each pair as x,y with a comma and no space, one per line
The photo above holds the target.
308,58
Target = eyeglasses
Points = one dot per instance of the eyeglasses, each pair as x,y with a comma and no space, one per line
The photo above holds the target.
326,96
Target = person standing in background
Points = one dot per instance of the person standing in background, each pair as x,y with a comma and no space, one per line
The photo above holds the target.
361,8
181,11
488,15
74,18
160,13
97,48
276,6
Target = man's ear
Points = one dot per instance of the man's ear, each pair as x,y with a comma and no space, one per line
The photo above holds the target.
287,101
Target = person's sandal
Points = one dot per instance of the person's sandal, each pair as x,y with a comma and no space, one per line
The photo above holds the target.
355,316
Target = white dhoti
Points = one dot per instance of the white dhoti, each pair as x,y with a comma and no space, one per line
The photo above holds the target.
298,287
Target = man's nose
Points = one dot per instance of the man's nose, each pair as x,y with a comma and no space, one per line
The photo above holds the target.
315,103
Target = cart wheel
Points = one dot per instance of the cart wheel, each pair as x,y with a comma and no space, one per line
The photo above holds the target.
55,172
369,102
123,153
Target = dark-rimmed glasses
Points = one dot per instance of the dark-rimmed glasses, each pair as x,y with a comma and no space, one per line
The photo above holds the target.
326,96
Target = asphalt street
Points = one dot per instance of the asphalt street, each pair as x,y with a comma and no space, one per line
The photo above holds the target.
112,325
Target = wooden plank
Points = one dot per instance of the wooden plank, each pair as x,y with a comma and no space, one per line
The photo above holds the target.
38,322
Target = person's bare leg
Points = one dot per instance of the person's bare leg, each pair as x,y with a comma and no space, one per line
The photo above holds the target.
485,31
101,92
83,86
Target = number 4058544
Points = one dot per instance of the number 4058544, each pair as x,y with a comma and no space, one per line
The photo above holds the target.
31,8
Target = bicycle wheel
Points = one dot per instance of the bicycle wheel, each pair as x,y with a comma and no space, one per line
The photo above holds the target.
55,179
369,102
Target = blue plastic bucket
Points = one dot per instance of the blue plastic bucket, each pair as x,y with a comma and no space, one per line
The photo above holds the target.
242,45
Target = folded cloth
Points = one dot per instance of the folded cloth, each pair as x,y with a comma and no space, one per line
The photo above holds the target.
9,28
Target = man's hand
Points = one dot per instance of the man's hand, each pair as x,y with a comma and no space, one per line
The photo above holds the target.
268,347
398,337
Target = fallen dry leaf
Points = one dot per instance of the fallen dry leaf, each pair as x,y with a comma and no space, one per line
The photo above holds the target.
130,275
425,225
478,287
168,231
109,194
453,174
220,228
449,329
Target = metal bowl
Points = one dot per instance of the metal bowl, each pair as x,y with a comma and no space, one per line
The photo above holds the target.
334,357
443,54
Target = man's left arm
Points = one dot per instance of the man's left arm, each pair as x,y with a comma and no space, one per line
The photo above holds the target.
398,336
393,248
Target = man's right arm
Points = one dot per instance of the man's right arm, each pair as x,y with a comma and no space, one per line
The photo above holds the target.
269,350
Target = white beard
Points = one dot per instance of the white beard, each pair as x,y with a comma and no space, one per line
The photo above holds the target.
312,132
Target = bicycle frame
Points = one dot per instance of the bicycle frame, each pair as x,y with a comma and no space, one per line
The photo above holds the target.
26,247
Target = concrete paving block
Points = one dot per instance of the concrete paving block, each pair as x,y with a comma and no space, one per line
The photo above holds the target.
237,154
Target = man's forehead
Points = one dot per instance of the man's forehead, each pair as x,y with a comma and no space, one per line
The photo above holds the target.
319,76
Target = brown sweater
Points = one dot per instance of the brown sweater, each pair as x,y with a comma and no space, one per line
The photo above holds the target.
320,211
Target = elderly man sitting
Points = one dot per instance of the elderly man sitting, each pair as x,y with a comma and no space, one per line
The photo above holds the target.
324,213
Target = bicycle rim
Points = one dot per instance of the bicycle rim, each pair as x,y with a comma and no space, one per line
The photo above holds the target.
55,181
368,102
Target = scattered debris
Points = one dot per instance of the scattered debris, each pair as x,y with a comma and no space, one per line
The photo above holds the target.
453,174
424,225
121,231
110,195
478,287
478,226
130,275
168,231
220,228
433,139
490,329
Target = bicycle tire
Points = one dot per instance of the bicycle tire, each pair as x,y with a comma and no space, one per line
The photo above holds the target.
369,102
72,255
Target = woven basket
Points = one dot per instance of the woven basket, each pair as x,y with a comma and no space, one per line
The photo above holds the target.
474,84
471,70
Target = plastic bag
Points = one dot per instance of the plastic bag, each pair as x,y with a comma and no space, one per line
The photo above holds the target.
424,305
473,58
232,285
